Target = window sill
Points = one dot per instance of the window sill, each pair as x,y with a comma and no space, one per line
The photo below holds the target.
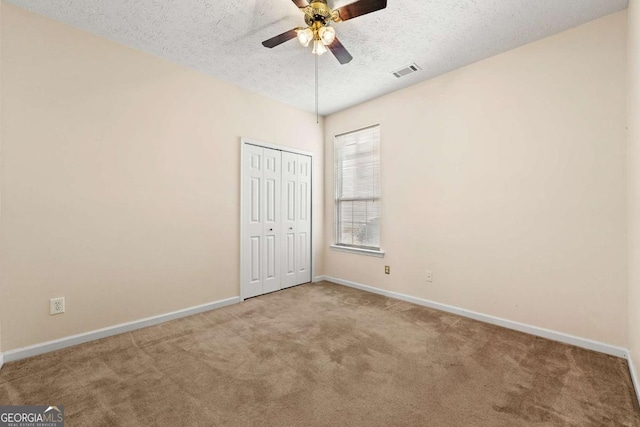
360,251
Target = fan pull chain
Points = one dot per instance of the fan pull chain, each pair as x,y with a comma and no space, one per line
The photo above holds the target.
317,116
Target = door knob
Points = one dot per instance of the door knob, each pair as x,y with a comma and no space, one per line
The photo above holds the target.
290,228
271,229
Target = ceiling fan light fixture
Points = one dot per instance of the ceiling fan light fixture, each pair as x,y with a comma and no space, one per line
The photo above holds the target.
327,35
318,47
305,36
319,16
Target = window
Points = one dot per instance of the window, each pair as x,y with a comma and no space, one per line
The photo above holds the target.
357,185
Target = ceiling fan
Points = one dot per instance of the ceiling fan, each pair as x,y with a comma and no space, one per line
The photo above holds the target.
318,16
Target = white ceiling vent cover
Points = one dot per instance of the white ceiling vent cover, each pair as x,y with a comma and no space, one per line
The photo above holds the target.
407,70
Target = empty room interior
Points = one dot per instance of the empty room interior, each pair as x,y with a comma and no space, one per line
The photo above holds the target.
275,212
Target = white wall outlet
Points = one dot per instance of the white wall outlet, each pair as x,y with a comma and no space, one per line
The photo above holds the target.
56,305
429,276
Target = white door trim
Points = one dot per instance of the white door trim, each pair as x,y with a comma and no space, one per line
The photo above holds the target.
274,146
250,141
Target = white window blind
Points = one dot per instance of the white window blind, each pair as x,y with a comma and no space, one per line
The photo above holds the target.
357,174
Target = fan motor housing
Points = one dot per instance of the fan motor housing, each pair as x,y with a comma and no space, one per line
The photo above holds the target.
317,11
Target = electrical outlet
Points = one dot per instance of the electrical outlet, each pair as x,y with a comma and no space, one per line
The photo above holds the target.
429,276
387,269
56,306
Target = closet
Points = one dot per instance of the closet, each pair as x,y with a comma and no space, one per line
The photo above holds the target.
276,219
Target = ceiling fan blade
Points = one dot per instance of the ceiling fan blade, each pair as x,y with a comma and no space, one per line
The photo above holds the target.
279,39
342,55
359,8
301,3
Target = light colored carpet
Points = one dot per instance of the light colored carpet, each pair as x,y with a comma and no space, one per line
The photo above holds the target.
327,355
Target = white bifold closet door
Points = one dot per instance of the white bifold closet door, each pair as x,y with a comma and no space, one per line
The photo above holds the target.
296,219
276,247
262,183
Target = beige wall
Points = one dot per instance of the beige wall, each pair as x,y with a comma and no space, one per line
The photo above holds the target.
634,180
0,172
120,180
506,178
120,172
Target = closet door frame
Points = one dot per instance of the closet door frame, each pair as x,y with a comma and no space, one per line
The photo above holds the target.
249,141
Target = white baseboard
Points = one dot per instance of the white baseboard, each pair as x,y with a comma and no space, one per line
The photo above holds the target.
634,376
46,347
34,350
532,330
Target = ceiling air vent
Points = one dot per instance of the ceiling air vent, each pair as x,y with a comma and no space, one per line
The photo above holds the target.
407,70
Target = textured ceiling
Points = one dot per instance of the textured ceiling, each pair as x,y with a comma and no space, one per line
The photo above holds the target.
223,38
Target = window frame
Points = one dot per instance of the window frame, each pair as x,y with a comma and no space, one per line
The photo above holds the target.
344,247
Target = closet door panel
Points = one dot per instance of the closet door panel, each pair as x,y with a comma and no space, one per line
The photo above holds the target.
271,225
253,220
289,218
303,261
